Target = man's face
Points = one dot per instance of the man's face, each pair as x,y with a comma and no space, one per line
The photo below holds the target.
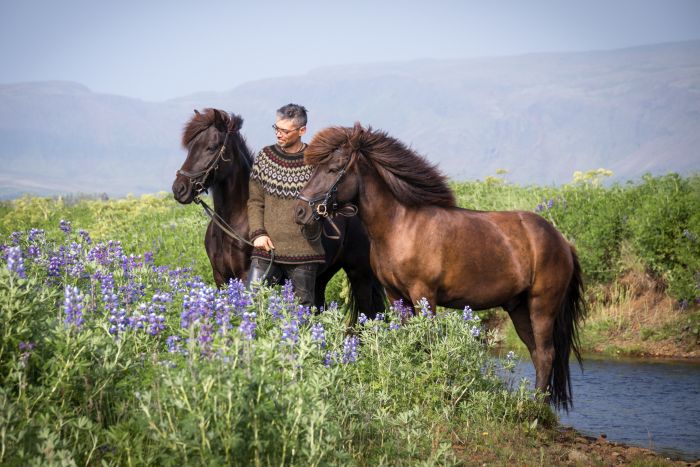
287,133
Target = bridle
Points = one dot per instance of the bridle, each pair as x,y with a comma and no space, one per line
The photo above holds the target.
194,178
213,166
322,209
326,206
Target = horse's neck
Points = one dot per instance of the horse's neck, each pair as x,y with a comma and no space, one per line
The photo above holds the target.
230,195
378,209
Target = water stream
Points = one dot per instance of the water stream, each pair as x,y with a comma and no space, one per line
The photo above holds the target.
648,403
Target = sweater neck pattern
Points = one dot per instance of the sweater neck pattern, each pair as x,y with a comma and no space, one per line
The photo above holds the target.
281,174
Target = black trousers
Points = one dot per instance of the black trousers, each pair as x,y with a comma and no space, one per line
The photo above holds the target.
303,277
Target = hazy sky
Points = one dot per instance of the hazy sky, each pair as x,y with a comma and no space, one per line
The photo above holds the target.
156,50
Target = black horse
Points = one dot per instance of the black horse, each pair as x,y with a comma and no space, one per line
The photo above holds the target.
218,160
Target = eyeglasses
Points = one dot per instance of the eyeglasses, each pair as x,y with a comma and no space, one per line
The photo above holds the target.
285,131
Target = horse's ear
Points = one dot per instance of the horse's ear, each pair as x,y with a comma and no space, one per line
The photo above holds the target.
219,120
235,123
196,112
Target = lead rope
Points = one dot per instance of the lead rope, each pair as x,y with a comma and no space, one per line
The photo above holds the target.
223,225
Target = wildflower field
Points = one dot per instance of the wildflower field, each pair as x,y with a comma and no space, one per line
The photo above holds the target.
116,348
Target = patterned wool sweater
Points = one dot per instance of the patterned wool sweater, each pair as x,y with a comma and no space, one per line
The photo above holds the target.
275,182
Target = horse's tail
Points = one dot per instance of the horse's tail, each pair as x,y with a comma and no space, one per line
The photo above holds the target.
566,329
366,296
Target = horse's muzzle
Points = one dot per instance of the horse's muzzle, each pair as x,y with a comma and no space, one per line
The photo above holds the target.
182,190
302,213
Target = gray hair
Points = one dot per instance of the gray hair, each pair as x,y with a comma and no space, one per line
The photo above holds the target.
293,112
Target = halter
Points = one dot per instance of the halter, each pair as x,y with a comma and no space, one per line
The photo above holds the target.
211,167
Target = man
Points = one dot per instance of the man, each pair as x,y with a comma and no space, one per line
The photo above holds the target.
277,176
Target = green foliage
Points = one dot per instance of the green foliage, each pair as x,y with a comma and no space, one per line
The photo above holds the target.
91,374
664,229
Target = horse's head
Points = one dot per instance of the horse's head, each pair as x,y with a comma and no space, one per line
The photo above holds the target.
335,181
208,137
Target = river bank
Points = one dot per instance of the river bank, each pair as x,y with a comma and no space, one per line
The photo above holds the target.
631,317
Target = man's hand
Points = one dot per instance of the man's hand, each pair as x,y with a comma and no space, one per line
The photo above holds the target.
263,242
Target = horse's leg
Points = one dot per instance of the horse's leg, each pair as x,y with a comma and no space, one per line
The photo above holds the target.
420,291
520,315
362,291
321,283
543,311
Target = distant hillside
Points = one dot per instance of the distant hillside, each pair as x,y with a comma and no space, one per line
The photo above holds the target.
539,116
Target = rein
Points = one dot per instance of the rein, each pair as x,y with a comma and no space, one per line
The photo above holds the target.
328,208
228,230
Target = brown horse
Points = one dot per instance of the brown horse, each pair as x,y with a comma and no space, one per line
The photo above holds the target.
218,160
424,246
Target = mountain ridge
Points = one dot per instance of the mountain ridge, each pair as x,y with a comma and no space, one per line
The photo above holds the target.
540,116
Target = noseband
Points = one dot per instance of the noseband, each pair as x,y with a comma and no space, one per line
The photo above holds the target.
194,178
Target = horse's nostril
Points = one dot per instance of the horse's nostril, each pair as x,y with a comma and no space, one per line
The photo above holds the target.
300,213
179,190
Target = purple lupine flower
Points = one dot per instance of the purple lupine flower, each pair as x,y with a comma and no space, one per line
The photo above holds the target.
36,235
394,326
118,321
205,337
303,313
156,323
475,331
148,258
318,334
550,203
275,306
327,361
16,238
173,344
379,317
237,296
73,306
65,226
468,313
362,319
54,268
98,254
85,236
248,325
109,298
131,292
33,251
425,307
539,207
510,356
402,311
350,349
288,293
15,262
290,332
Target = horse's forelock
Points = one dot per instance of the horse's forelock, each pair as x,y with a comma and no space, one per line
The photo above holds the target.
203,120
325,143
